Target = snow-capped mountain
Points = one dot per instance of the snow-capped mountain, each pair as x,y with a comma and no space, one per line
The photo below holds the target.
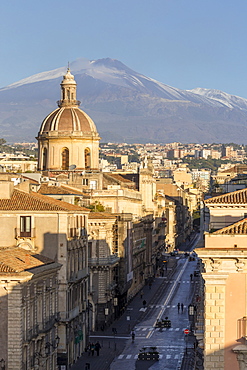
125,105
231,101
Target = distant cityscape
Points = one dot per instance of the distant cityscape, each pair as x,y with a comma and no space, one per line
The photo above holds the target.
135,252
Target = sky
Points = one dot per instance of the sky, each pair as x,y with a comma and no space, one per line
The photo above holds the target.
184,44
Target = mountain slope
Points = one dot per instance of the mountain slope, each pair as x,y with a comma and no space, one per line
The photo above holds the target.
125,105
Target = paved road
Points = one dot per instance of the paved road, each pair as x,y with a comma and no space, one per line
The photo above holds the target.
169,342
119,353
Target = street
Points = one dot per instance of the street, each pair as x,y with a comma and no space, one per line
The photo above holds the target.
170,342
118,352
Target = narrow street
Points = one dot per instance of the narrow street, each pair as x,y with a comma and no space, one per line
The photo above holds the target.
118,352
170,342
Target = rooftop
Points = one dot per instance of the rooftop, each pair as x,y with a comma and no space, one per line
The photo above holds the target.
235,197
22,201
14,259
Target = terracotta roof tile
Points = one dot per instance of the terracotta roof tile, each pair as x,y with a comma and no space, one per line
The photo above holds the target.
235,197
21,201
119,177
16,259
102,215
53,190
239,228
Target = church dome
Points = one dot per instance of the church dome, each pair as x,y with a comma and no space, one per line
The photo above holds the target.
68,137
68,118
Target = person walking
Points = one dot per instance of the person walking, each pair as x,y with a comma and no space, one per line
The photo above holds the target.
178,306
133,334
182,307
88,349
142,294
92,348
97,347
144,303
191,277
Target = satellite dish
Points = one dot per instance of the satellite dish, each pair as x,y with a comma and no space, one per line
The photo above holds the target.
72,167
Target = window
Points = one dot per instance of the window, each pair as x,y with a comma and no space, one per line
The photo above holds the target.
25,229
44,158
65,159
87,158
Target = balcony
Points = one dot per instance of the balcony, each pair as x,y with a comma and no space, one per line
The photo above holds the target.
25,235
67,316
78,275
106,261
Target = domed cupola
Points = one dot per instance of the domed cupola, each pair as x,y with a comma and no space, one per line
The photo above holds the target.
68,136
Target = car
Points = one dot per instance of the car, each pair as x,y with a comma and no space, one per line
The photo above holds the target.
196,273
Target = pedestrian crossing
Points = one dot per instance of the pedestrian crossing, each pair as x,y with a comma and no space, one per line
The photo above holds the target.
135,357
149,328
179,281
162,306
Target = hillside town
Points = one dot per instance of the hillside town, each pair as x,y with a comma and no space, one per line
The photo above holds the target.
91,230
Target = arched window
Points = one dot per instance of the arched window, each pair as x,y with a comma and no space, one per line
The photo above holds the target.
44,163
65,159
87,158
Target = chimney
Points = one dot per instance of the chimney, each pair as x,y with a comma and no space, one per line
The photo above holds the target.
6,189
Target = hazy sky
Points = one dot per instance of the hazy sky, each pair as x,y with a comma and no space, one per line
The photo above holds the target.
184,44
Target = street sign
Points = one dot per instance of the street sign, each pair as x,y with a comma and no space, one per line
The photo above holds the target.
186,331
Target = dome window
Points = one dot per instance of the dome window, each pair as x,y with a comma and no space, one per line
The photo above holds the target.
65,159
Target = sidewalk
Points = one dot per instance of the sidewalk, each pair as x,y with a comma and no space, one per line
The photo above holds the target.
112,346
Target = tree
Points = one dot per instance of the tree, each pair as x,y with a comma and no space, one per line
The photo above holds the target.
96,207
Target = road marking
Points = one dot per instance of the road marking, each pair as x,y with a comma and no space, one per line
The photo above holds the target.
168,357
108,336
168,297
136,357
143,309
128,357
120,357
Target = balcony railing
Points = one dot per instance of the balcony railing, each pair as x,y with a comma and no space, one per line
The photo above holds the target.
41,327
24,234
106,261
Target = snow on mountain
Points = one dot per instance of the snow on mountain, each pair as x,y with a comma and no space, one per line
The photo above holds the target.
231,101
125,105
114,72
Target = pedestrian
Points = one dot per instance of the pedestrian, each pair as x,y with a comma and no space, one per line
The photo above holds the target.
144,303
88,349
97,347
182,307
178,305
191,277
92,348
142,294
133,334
